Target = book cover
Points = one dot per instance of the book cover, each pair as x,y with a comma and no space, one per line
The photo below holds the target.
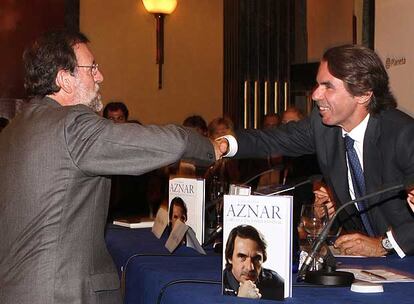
186,202
134,222
257,253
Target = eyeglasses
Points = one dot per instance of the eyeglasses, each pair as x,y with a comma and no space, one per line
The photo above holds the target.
93,68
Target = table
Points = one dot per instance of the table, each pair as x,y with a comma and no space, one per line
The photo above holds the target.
150,274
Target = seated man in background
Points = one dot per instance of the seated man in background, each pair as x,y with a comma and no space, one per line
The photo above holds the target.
183,168
116,111
128,197
271,120
292,114
244,275
198,123
299,167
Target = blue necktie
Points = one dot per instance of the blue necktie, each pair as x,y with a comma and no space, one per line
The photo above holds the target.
358,181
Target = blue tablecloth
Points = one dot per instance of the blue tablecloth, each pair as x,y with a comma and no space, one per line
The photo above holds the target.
153,275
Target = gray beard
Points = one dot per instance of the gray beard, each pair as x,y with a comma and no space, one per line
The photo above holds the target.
95,104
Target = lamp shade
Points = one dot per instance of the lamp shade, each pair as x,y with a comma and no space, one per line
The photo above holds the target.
160,6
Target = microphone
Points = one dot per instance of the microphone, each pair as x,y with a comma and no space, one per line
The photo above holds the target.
310,180
325,231
213,236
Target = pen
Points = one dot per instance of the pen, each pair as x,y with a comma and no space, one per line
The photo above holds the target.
371,274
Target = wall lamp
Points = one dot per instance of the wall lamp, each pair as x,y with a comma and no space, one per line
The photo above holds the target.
160,8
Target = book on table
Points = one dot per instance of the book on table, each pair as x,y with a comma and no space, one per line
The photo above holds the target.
257,251
134,222
186,202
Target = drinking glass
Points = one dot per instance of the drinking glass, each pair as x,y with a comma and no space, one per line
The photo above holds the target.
313,220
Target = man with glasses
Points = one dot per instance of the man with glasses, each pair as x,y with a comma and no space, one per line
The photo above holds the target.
56,159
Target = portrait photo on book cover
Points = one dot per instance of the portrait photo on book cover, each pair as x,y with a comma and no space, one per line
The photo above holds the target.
186,197
245,274
177,211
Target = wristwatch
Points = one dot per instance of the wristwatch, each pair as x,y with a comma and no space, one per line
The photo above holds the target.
385,242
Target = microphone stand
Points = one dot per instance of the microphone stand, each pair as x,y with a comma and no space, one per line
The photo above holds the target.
310,180
338,278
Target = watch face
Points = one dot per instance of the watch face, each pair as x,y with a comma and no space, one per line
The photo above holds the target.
386,244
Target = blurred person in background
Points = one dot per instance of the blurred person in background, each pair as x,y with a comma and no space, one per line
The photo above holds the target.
271,120
116,111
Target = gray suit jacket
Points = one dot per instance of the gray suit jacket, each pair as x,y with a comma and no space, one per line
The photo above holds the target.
55,162
388,160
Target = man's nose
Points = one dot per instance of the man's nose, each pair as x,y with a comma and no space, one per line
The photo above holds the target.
317,93
249,264
98,77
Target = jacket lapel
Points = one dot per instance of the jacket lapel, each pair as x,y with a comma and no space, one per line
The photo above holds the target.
373,166
372,156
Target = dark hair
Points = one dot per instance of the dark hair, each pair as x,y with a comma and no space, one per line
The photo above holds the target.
361,69
177,201
295,110
212,126
48,55
244,232
115,106
270,115
196,121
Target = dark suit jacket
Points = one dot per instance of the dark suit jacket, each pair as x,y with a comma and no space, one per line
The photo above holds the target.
388,160
55,162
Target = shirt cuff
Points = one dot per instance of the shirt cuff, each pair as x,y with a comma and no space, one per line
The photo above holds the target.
397,248
233,146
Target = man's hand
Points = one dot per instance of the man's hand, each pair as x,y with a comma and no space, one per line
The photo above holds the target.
360,244
249,290
322,196
221,146
410,199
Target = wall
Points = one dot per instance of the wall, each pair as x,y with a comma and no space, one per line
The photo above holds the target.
329,23
122,38
18,28
394,26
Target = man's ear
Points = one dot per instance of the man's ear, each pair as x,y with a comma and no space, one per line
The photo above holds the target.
364,98
64,80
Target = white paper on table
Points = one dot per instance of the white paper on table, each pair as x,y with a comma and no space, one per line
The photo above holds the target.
390,275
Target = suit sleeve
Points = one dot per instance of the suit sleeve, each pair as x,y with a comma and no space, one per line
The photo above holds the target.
292,139
100,147
404,233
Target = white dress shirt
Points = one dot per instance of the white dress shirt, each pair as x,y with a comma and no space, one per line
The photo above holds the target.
358,134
